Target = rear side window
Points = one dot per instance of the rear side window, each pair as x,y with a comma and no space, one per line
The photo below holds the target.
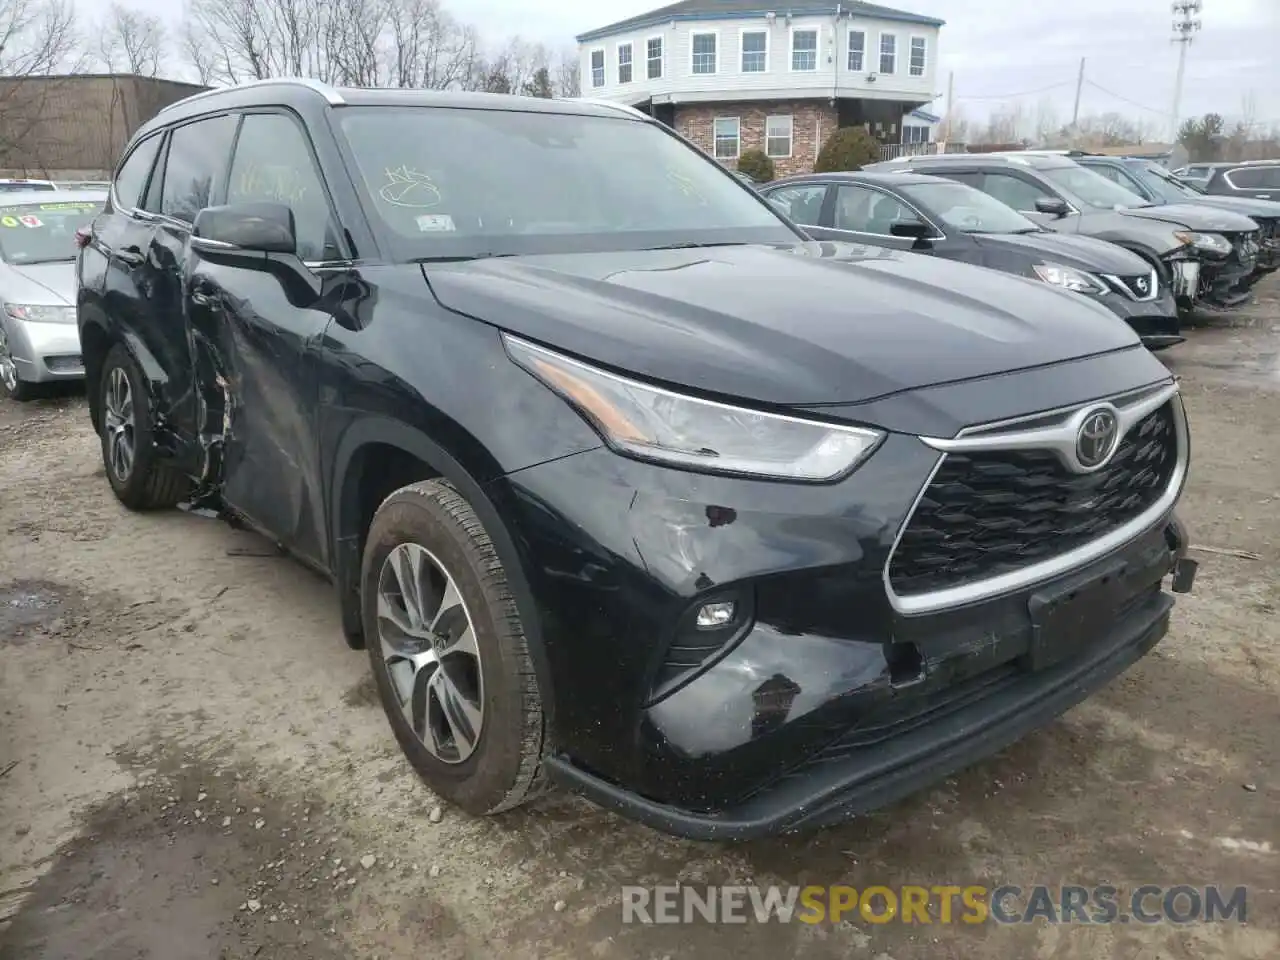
1255,178
196,165
133,174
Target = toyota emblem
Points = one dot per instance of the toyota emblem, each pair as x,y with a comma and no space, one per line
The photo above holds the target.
1096,440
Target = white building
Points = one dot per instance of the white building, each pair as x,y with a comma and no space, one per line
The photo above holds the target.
734,75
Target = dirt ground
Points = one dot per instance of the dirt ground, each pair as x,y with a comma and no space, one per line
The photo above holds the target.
193,764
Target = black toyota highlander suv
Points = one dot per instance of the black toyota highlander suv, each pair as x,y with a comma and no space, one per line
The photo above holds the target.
625,483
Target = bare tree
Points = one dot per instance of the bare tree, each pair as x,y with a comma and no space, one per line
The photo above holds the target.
1047,125
568,74
397,43
37,40
130,42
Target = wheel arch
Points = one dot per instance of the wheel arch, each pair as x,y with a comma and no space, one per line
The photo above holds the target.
99,332
404,454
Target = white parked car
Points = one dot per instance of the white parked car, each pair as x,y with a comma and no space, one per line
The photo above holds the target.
39,342
26,186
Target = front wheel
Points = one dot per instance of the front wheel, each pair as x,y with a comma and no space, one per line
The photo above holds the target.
448,650
139,480
11,385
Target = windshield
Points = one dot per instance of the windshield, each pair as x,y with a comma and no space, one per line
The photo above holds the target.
967,209
1092,189
43,232
449,183
1169,188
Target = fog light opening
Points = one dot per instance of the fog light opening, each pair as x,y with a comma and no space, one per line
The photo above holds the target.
713,616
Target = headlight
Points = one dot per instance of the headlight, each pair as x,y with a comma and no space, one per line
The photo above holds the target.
1208,242
650,423
1070,278
40,313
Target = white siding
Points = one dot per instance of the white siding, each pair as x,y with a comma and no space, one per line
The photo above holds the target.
832,76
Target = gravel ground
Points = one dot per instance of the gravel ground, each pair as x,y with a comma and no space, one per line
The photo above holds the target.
193,765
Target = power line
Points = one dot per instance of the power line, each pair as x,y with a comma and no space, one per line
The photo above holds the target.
1015,96
1112,93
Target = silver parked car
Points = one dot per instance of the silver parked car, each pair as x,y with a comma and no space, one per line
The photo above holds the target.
39,342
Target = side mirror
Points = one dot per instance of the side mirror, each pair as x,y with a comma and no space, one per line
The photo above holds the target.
1053,206
250,227
258,236
917,230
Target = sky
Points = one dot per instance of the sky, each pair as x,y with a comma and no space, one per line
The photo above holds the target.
999,48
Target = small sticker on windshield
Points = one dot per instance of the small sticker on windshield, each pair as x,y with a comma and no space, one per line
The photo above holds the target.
30,221
435,222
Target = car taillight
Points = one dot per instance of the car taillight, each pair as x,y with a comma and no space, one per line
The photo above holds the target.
83,236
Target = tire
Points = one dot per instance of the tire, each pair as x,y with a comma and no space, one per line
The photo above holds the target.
10,384
430,521
147,484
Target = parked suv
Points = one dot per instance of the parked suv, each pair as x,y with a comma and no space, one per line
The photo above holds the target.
625,483
1259,179
942,218
1205,254
1157,185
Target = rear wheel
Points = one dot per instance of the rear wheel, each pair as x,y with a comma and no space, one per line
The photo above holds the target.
139,480
448,650
10,384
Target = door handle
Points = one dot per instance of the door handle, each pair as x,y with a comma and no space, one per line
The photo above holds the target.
132,256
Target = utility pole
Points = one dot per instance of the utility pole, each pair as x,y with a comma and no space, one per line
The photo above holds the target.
951,105
1075,111
1185,25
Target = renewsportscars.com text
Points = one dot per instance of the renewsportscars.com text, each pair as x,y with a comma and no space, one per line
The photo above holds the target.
937,904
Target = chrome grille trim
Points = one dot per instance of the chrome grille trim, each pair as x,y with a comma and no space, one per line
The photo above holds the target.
1125,285
1130,408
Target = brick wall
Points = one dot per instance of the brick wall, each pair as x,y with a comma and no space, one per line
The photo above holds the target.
811,123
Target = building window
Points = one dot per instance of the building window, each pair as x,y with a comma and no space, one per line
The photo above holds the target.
777,136
857,50
704,52
653,55
597,68
755,51
913,133
888,53
916,66
727,130
804,50
624,63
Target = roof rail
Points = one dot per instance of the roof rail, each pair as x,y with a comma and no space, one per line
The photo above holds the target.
331,96
609,103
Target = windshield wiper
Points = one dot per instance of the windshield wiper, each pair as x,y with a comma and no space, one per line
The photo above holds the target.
693,244
460,258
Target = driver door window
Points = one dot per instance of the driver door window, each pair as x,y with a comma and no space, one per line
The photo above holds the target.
1013,191
273,162
862,210
801,204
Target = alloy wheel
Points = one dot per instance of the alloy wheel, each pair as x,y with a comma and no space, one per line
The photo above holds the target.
118,421
429,649
8,367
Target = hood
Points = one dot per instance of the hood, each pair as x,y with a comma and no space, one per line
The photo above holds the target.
803,324
1194,216
44,283
1072,250
1245,206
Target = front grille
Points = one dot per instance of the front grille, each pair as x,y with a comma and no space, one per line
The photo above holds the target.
988,513
1144,286
1244,246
